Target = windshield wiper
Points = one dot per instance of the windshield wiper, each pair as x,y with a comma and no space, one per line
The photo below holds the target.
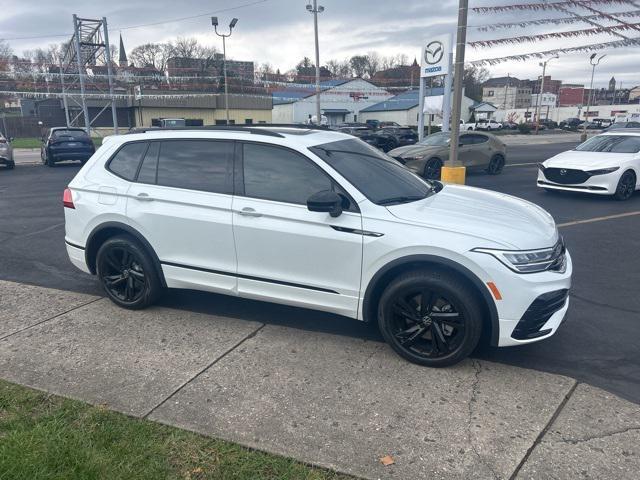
402,199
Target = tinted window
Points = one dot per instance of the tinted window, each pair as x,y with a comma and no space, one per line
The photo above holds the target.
479,138
466,140
277,174
125,162
380,178
147,173
196,165
77,133
611,143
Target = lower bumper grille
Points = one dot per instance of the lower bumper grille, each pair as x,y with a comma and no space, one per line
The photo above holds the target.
566,176
538,313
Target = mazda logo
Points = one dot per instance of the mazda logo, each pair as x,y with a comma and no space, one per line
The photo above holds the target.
434,52
563,172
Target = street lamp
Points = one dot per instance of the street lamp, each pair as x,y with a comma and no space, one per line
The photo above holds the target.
214,22
316,9
583,137
541,91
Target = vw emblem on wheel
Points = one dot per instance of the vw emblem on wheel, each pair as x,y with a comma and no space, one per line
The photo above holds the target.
434,52
563,172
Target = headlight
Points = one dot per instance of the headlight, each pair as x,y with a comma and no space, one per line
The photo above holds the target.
412,159
531,261
541,167
602,171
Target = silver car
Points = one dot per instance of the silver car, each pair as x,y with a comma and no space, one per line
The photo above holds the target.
6,152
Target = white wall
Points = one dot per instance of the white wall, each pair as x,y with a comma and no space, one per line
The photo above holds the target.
282,113
561,113
410,117
334,98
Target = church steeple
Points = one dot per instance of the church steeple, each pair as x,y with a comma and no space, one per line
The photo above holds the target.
122,55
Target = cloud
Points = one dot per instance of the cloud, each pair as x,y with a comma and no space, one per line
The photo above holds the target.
281,31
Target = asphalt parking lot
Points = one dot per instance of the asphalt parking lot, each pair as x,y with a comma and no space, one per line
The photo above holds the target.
597,344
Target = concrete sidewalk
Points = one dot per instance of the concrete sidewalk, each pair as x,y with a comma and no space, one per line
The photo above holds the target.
329,400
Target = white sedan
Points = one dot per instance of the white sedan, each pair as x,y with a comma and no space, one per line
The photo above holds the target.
607,164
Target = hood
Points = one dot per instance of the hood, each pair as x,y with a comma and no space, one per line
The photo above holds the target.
510,222
414,151
587,160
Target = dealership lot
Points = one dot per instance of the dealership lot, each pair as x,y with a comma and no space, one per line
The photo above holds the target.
207,362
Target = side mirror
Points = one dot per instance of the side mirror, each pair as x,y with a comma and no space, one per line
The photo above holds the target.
326,201
11,139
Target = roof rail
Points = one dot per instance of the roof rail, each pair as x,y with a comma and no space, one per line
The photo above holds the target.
237,128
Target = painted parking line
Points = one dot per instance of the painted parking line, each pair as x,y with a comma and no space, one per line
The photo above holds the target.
598,219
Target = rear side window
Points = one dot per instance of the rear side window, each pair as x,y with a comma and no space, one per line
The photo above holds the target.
125,162
196,165
147,173
273,173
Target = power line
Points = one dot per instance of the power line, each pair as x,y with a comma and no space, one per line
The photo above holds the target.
162,22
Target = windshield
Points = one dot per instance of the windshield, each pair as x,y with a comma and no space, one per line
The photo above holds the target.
380,178
437,139
69,133
611,143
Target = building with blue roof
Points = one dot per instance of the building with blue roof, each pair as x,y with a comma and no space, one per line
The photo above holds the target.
404,108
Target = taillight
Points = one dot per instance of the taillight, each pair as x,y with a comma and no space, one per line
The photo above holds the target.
2,140
67,199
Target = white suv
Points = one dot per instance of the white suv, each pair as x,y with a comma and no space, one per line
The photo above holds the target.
317,219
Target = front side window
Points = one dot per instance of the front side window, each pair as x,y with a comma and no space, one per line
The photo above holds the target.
380,178
202,165
611,143
274,173
125,162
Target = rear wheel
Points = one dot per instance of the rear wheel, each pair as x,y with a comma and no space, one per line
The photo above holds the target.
127,273
430,318
626,186
496,165
48,161
432,169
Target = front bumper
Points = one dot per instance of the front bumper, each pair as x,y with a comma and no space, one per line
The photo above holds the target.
519,294
597,184
5,160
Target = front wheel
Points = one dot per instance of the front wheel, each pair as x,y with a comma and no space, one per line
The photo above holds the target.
127,273
626,186
496,165
430,317
433,169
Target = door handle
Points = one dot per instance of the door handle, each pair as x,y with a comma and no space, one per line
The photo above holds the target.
249,212
144,197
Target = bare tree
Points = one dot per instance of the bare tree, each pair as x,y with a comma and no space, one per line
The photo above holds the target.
373,63
153,55
359,65
6,51
185,47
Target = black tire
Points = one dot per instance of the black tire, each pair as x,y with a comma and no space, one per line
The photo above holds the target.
440,334
626,186
10,165
48,161
432,169
127,273
495,165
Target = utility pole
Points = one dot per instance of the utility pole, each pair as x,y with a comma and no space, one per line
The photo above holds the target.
453,172
539,97
583,137
107,51
316,9
214,22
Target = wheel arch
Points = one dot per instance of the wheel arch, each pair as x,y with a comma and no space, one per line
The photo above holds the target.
106,230
384,275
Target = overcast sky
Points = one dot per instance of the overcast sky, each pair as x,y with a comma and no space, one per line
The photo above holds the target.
281,31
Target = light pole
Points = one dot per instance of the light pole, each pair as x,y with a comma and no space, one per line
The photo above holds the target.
544,71
583,137
315,9
214,22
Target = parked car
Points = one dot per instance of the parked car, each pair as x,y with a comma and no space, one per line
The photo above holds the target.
532,126
373,123
510,125
607,164
65,143
550,124
321,221
388,124
590,126
6,152
603,122
488,125
373,138
477,150
399,136
570,123
621,125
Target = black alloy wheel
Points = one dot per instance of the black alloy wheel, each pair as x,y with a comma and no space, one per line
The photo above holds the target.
430,318
626,186
433,169
496,165
126,273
